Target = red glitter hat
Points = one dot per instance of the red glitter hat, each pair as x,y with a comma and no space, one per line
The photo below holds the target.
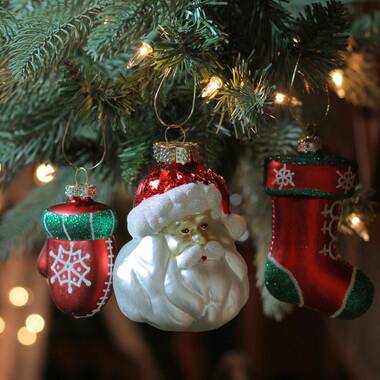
172,191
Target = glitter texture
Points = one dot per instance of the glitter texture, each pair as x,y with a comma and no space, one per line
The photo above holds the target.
313,158
360,298
86,226
279,284
180,152
167,176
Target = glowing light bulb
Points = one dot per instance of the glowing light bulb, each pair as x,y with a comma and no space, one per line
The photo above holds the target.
212,87
337,77
358,226
143,51
18,296
26,337
35,323
44,173
106,20
2,325
355,220
280,98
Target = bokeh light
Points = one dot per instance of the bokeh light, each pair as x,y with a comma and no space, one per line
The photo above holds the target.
35,323
2,325
18,296
44,173
26,337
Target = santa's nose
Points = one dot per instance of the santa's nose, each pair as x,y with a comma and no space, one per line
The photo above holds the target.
199,239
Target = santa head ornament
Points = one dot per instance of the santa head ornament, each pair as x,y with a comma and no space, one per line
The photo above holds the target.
181,270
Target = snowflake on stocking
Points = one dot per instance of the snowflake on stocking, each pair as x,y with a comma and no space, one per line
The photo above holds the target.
284,177
70,268
346,180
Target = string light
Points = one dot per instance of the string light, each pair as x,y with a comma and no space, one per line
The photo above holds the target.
26,337
141,53
280,98
18,296
2,325
212,87
357,224
337,77
44,173
296,40
106,20
35,323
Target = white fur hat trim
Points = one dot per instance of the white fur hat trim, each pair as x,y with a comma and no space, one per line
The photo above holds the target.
156,212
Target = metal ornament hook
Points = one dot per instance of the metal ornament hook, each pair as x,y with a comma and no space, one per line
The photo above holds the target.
101,160
174,125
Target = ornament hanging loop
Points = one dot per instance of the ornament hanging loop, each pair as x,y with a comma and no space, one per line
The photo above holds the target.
174,125
78,172
72,164
183,132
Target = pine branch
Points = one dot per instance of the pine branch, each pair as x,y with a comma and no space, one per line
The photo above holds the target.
43,40
244,99
120,26
320,36
8,25
136,154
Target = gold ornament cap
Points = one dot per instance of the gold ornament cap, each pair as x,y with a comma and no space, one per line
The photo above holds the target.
80,190
309,144
179,152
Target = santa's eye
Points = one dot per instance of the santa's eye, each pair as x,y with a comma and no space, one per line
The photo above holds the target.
185,230
204,226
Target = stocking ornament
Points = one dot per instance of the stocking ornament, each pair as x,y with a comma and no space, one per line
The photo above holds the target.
303,266
181,270
78,256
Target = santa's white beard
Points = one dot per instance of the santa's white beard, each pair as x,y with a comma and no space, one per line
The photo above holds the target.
200,289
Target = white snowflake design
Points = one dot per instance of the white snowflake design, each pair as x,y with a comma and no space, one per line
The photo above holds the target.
69,267
331,215
346,181
284,177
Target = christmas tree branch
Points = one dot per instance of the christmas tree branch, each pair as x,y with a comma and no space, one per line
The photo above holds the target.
42,40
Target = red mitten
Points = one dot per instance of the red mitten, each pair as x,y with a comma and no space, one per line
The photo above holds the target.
78,256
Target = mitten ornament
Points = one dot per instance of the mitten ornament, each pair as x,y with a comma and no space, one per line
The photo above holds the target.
303,266
181,270
78,256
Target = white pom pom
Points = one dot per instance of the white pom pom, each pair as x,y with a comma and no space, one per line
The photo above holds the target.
235,225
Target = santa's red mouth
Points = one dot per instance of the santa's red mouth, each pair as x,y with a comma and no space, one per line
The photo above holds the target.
204,258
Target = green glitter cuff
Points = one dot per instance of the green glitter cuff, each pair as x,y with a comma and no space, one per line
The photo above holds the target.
89,226
311,158
308,193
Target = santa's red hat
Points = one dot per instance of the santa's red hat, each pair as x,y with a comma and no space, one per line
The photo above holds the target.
173,191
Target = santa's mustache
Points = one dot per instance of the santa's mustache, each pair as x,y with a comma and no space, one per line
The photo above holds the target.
195,254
